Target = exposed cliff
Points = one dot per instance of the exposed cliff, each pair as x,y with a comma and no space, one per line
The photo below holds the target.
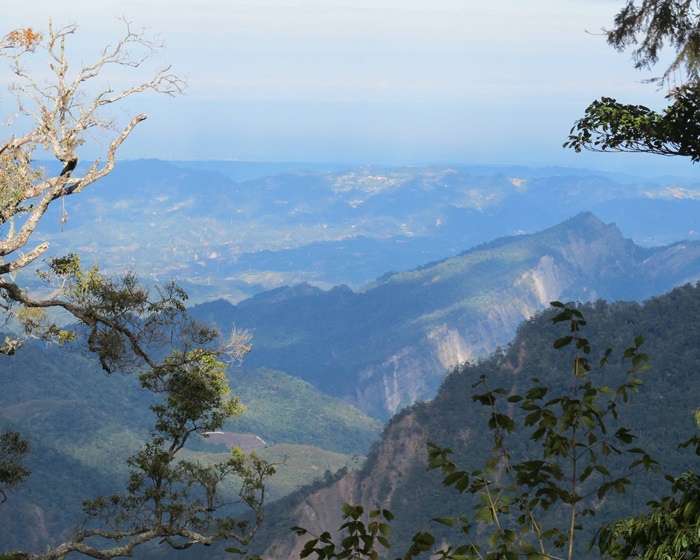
402,447
582,260
389,345
661,414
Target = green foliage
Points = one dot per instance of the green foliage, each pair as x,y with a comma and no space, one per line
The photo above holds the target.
616,127
670,531
649,26
300,467
671,528
128,327
168,497
83,421
362,539
529,504
196,387
182,363
569,472
13,450
282,408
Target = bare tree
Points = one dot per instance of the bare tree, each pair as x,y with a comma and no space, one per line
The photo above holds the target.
128,326
60,111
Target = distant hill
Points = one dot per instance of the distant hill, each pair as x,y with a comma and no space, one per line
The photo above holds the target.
231,229
395,477
388,345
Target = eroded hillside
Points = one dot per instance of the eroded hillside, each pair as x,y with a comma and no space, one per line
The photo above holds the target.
661,414
390,344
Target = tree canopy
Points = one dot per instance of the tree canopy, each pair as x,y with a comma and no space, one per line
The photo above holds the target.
129,326
670,529
558,448
650,28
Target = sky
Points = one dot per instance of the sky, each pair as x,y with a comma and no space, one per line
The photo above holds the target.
367,81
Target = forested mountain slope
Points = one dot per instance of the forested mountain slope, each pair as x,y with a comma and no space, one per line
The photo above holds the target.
389,345
82,425
395,476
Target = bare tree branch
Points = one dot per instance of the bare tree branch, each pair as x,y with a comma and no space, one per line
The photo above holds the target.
128,327
62,110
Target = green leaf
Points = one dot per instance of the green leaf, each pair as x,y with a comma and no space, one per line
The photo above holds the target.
510,535
453,478
423,541
561,342
449,521
308,548
494,538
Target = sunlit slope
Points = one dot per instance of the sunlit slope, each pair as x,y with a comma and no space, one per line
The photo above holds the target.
389,345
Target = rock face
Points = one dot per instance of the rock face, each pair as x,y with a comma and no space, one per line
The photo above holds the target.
390,344
589,261
402,447
660,414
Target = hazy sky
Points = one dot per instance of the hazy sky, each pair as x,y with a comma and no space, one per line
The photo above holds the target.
384,81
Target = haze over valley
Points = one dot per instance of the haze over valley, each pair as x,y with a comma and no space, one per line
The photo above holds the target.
360,284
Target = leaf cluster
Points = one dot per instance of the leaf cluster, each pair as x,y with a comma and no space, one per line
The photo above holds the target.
360,538
670,530
608,125
169,498
650,25
13,450
182,363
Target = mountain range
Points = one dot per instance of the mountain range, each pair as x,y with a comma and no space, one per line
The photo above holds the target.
388,345
231,229
82,424
361,291
660,415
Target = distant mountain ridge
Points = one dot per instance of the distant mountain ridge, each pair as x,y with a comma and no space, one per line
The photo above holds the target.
328,269
380,348
231,238
387,346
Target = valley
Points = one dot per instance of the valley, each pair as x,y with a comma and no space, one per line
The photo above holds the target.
362,287
395,477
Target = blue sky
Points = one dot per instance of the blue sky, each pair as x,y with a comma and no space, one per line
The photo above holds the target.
368,81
